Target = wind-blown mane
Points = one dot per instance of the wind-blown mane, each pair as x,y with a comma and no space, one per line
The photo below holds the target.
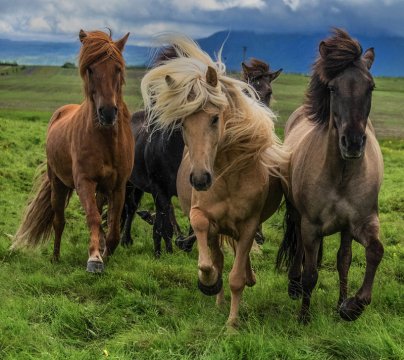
337,53
97,47
249,126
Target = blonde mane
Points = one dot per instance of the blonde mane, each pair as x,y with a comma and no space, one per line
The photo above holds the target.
249,126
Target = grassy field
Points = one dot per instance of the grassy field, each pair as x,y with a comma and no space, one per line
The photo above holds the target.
143,308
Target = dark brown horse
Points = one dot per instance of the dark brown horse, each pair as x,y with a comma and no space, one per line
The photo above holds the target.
259,75
334,175
89,148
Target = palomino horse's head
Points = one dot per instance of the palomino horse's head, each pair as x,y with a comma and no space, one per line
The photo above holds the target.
258,74
202,131
102,68
340,91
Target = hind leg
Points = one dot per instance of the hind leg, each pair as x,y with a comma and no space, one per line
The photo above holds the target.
59,195
132,201
344,258
368,236
295,271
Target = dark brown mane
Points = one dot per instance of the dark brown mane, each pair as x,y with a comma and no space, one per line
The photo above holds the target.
337,53
255,68
98,46
164,54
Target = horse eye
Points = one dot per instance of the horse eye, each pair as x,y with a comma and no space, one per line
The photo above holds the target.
90,72
214,120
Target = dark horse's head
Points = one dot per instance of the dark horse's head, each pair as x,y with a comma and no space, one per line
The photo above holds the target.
102,68
340,91
258,74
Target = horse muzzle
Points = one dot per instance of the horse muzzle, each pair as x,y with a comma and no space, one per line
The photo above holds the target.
352,147
201,182
107,116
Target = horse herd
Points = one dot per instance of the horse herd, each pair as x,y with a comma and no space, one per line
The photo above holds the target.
209,139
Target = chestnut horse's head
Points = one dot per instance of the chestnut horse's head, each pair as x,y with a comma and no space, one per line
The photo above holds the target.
102,68
258,74
340,92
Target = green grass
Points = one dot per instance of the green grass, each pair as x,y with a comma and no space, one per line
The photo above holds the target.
142,308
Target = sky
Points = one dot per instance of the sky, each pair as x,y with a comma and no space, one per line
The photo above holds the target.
61,20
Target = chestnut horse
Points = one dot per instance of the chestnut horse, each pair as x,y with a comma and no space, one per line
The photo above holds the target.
89,148
334,175
232,159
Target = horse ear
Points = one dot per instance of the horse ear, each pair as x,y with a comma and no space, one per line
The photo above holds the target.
245,67
169,81
211,76
368,57
323,49
275,74
120,44
82,35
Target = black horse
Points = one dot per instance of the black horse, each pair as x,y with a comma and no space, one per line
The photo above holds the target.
158,156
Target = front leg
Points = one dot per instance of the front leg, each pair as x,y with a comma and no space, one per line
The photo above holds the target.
311,240
86,192
239,275
116,201
209,278
344,259
368,236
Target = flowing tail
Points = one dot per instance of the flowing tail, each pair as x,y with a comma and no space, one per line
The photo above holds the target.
288,247
36,225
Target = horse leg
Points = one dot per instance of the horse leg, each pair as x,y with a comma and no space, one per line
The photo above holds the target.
86,192
218,261
101,201
59,195
116,201
344,258
186,243
368,236
132,201
259,235
209,278
295,270
311,244
250,275
238,274
162,226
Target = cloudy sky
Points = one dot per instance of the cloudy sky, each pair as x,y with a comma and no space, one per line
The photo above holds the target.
58,20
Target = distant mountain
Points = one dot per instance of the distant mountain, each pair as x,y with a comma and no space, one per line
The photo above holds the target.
292,52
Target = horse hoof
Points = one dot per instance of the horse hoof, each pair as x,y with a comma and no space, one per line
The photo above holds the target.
351,309
295,289
211,290
95,267
184,243
126,242
304,318
147,216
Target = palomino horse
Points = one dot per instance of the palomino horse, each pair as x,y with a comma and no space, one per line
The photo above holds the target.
89,148
158,156
232,159
334,175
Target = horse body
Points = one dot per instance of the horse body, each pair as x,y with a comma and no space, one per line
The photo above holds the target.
89,148
157,158
334,175
230,156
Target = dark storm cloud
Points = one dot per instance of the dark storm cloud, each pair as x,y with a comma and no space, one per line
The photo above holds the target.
61,20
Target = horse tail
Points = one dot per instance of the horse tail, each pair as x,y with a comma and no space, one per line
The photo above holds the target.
288,247
36,224
229,241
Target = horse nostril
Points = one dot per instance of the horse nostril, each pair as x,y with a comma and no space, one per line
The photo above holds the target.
191,178
363,139
115,110
208,178
344,141
101,111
